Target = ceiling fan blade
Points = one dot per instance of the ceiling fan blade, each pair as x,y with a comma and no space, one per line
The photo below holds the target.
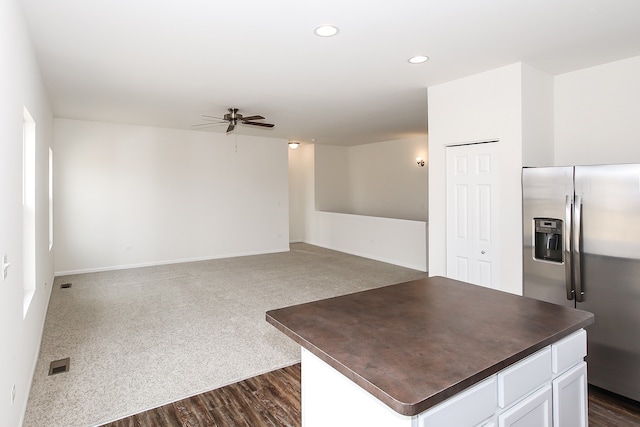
266,125
252,118
232,118
199,125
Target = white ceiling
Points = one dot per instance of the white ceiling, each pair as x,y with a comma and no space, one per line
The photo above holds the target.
166,62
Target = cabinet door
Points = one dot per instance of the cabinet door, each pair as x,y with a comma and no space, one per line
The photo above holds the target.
570,398
533,411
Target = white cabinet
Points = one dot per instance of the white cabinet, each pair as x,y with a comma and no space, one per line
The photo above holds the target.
570,398
557,375
533,411
570,393
548,388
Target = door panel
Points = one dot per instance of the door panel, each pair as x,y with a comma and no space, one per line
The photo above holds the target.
484,213
461,212
472,214
462,268
485,271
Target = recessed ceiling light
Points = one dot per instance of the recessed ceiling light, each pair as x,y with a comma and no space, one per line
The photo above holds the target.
326,31
418,59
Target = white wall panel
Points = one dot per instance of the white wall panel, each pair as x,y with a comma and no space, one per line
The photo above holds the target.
396,241
379,179
385,179
297,196
332,189
134,195
21,86
537,117
596,114
477,108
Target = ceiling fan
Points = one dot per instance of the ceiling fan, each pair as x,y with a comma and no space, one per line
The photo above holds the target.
233,118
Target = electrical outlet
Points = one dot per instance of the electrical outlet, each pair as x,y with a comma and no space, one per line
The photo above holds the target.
13,394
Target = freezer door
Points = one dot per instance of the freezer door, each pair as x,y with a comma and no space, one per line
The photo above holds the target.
546,192
611,274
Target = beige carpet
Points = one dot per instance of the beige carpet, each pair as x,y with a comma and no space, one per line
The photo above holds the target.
144,337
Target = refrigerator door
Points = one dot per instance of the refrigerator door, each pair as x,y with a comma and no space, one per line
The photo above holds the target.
611,274
547,196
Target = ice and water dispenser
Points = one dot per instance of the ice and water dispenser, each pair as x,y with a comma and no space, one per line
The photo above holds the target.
548,239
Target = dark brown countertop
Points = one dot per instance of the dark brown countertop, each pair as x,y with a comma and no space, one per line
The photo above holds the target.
414,344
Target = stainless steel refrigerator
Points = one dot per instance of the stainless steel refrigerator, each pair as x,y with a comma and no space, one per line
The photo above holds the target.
581,238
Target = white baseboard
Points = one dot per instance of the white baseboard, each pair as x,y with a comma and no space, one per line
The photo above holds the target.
166,262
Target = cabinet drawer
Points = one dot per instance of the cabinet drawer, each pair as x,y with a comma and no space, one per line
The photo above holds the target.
469,408
524,377
569,351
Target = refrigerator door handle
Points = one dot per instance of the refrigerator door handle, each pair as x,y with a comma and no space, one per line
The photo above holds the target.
568,212
577,247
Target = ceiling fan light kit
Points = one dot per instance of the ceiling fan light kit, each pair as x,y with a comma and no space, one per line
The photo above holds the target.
233,118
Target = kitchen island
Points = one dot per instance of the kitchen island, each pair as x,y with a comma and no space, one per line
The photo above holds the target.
437,352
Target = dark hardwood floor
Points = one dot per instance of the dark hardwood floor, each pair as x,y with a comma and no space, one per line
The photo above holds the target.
610,410
273,400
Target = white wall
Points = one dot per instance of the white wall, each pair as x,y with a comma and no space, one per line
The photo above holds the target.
537,117
589,116
134,195
297,185
20,86
385,180
597,114
396,241
481,107
332,189
379,179
306,155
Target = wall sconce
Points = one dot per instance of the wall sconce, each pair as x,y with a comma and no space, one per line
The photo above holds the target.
420,161
293,144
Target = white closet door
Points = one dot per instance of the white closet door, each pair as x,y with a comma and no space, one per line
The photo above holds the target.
472,214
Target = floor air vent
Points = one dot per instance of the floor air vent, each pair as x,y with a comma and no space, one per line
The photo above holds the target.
65,285
59,366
